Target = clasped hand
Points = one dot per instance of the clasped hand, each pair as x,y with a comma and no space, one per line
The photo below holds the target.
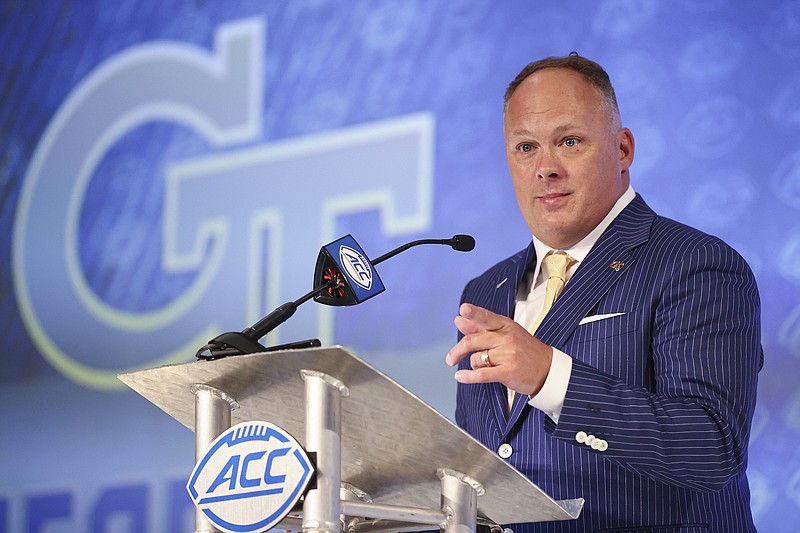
516,358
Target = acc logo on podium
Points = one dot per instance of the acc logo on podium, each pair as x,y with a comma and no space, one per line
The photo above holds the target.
250,478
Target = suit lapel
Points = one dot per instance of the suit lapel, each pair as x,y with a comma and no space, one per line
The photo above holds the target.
506,280
502,302
610,257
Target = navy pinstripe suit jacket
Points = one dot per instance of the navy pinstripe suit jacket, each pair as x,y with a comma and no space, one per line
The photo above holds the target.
670,384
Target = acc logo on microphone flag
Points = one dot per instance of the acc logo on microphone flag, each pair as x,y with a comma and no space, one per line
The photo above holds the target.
357,267
361,277
250,478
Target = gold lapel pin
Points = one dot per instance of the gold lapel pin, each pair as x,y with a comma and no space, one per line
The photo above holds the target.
616,265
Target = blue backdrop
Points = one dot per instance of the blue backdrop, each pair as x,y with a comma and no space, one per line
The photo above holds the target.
169,170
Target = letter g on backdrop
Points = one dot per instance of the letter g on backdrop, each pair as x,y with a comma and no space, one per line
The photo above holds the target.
217,95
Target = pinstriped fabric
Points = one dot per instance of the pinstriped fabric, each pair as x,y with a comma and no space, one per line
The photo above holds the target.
670,384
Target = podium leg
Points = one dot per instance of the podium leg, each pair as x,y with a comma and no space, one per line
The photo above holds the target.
212,416
322,505
459,501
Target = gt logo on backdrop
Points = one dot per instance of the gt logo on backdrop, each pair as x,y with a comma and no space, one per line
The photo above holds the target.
270,190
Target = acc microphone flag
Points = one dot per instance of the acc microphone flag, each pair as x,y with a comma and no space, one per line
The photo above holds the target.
345,258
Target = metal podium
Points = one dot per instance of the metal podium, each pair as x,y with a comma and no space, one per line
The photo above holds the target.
385,460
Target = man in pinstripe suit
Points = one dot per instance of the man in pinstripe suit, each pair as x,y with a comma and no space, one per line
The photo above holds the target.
637,390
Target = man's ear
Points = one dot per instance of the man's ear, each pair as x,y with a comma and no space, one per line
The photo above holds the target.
626,148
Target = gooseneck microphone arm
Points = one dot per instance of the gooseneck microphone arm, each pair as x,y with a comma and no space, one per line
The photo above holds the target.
246,341
462,243
282,313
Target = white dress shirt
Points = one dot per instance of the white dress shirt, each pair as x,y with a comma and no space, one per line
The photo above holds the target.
530,300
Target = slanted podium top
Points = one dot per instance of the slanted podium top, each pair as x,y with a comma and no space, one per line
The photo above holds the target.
393,443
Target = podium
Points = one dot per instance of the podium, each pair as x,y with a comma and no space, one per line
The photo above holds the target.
385,460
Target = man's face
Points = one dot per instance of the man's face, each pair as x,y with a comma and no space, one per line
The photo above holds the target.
568,158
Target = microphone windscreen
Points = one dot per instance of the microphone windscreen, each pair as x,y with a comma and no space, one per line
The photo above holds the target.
463,243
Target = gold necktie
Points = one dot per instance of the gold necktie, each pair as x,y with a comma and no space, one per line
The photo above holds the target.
557,264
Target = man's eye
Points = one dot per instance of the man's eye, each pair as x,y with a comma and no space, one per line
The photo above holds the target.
570,142
525,147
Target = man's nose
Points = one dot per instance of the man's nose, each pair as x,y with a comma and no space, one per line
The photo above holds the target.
548,165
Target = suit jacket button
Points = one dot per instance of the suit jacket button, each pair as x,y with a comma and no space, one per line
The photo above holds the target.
505,451
580,436
603,445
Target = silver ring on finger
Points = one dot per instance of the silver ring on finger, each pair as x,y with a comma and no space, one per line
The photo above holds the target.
485,358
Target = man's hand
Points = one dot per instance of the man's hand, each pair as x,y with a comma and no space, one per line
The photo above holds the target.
517,359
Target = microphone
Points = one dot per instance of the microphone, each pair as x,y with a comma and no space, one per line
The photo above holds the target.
462,243
358,282
344,275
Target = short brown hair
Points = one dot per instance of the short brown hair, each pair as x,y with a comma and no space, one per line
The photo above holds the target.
592,72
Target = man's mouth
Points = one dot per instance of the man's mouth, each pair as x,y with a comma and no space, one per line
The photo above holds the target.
553,197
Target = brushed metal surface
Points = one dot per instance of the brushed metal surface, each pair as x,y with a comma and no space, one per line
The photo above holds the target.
392,442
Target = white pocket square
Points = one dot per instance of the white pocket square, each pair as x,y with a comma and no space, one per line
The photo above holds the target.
595,318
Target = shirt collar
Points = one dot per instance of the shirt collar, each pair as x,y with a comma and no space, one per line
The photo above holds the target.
580,250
